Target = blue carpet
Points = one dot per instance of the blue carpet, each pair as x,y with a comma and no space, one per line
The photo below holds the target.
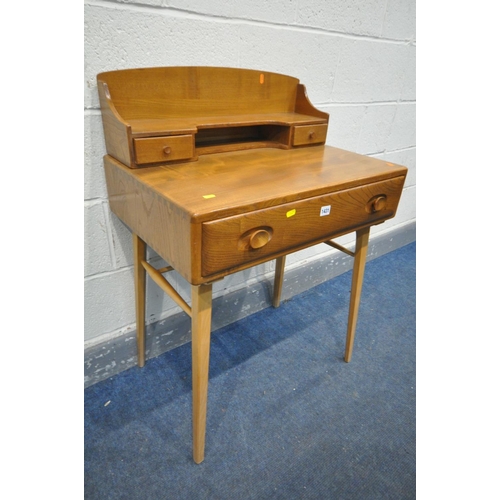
287,417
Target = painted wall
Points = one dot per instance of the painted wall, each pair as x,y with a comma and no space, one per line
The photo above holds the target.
355,57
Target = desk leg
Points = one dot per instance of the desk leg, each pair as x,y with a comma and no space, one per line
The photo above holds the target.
357,283
200,326
278,280
140,297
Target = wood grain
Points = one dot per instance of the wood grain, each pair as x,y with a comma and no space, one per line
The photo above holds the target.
153,217
139,248
357,283
201,324
239,181
163,149
293,224
278,280
173,101
182,210
309,134
198,91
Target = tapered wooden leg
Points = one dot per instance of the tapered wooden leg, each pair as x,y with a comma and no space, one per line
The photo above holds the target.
278,280
140,297
201,323
357,283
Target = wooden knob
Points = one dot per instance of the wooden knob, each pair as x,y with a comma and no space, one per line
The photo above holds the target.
259,238
167,150
312,135
379,203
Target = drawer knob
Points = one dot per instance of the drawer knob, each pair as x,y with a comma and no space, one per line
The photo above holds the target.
167,150
312,135
259,238
378,203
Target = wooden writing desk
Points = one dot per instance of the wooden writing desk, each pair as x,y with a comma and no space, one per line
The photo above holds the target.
221,169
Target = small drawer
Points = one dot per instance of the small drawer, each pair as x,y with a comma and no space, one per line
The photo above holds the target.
309,134
163,149
234,242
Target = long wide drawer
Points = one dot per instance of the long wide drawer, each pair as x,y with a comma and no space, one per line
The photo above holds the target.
234,241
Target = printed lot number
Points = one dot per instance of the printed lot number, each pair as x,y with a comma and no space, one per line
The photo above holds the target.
325,211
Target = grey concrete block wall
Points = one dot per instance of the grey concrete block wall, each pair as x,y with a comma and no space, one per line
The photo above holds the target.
356,58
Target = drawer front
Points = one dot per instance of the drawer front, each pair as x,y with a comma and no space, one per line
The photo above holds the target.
239,240
163,149
309,134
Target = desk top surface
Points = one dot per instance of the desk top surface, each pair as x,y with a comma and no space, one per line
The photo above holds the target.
230,183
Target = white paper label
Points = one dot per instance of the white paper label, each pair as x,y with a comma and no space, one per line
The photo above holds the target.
325,210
